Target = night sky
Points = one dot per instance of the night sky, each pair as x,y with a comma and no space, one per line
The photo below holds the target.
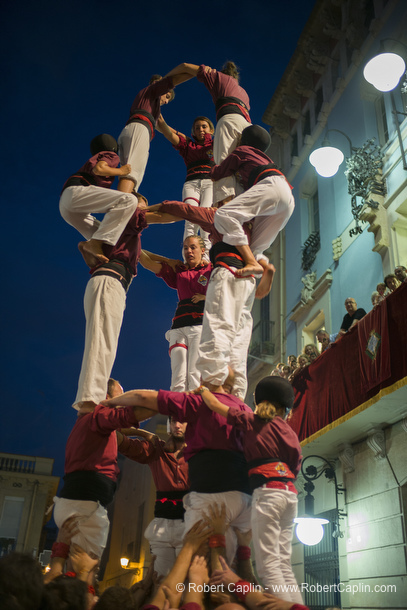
71,71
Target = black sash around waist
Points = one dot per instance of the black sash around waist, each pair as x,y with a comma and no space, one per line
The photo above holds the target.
218,470
231,105
80,179
145,118
115,267
168,504
88,485
225,255
188,314
199,169
262,171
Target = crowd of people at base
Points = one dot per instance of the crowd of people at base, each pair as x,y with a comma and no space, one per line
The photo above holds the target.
353,314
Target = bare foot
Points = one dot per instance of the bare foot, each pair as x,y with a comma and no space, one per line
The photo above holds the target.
89,259
266,281
94,248
249,269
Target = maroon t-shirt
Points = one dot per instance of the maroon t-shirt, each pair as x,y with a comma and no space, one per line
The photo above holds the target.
111,159
148,99
206,429
240,162
191,151
169,473
267,439
186,282
222,85
92,444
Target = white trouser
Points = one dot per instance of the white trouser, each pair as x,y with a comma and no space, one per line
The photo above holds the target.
237,513
165,538
77,204
198,192
104,304
226,329
184,344
273,512
270,202
227,132
134,148
93,523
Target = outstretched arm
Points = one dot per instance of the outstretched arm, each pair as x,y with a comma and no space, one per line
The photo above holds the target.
183,70
155,217
147,399
167,131
211,401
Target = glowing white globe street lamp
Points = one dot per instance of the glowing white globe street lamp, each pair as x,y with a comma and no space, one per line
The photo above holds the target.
309,530
326,160
384,71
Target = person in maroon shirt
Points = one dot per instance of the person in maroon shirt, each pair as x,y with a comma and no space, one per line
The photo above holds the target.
170,473
134,140
190,281
104,304
232,115
198,156
273,453
217,468
91,471
87,192
227,322
267,197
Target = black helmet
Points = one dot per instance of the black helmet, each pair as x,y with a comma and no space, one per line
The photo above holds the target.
103,142
276,390
256,136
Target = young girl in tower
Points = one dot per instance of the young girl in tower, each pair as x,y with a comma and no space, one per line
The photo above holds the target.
267,198
232,115
134,140
191,282
197,153
88,192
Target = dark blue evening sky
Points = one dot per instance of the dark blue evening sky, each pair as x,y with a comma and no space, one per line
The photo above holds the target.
70,71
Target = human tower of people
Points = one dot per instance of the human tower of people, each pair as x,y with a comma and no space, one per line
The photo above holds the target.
219,452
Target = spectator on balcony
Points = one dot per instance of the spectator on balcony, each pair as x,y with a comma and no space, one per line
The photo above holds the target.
382,289
324,338
292,361
352,317
376,298
391,281
285,371
311,351
401,273
302,362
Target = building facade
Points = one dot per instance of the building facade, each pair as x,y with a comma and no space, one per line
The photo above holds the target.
27,487
347,232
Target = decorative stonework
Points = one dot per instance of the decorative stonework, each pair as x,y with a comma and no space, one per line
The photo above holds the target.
377,218
404,424
309,282
317,54
292,106
376,441
281,126
365,180
347,457
304,84
318,290
337,248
